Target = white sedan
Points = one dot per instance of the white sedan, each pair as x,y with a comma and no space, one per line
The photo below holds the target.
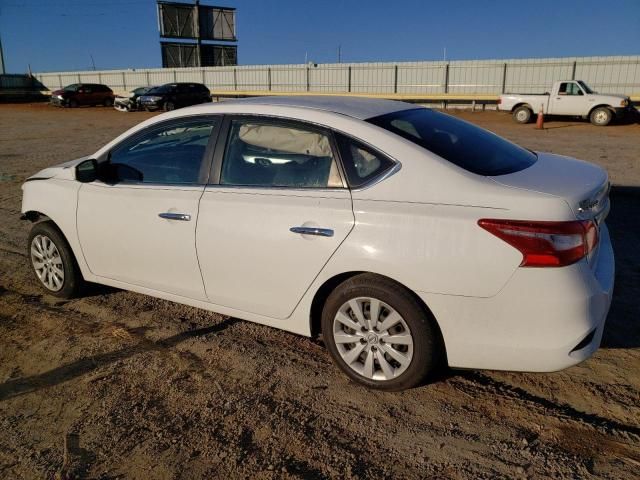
408,238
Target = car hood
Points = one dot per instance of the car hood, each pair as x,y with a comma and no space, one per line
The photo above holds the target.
64,170
612,95
57,92
582,185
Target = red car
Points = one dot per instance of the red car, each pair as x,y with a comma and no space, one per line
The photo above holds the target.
78,94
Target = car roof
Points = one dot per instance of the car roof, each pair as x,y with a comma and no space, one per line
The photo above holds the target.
356,107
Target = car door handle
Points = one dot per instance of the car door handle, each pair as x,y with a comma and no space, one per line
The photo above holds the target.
321,232
185,217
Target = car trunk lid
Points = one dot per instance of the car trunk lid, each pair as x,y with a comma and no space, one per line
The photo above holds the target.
584,186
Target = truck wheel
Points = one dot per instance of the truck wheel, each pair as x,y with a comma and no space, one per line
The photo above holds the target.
522,114
601,116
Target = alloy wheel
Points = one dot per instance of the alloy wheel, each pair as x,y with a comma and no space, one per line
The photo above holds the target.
47,262
372,338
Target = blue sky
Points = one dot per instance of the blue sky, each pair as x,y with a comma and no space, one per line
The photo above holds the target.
56,35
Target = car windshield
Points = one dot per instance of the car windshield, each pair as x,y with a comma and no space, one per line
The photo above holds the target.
585,87
461,143
161,89
71,88
141,90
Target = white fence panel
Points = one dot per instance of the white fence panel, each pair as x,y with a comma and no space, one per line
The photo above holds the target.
482,77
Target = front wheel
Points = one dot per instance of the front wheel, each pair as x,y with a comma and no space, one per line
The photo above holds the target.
601,116
108,102
169,106
379,334
52,261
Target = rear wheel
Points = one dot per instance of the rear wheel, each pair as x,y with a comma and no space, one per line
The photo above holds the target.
52,261
379,334
601,116
522,114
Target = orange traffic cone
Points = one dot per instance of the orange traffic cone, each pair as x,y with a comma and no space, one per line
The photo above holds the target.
540,120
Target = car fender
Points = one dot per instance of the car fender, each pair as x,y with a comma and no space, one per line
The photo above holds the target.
56,199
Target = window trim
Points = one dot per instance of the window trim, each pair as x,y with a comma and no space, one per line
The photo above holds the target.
205,161
575,82
221,147
395,168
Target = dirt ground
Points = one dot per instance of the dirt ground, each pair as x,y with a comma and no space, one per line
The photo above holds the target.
140,388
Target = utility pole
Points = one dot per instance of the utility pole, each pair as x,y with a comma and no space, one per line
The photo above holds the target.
1,59
339,53
198,36
93,64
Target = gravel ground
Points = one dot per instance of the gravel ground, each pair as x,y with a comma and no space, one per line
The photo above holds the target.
120,385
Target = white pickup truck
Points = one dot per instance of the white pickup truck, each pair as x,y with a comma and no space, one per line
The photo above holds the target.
568,97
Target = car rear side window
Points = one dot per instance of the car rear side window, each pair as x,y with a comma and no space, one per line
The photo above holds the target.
274,154
461,143
361,163
171,154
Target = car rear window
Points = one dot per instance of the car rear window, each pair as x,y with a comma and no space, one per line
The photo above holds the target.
461,143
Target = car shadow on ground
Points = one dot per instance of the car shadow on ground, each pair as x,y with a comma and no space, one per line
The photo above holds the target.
622,329
552,122
20,386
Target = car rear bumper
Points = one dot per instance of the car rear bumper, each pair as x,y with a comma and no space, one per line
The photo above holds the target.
543,320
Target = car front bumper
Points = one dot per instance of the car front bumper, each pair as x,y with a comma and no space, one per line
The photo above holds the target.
543,320
58,102
124,104
151,105
622,112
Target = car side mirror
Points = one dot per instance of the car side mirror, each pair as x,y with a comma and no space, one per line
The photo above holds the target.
87,171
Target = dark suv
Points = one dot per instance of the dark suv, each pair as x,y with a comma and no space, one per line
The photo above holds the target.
175,95
78,94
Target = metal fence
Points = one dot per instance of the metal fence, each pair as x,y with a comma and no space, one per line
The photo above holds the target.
463,79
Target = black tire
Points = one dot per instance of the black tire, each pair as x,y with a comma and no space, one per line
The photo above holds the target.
72,281
427,348
108,102
600,117
523,114
72,103
168,106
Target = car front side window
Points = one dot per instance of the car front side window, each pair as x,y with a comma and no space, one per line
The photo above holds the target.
266,154
172,154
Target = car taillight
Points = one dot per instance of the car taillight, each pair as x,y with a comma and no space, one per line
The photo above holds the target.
499,101
546,244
